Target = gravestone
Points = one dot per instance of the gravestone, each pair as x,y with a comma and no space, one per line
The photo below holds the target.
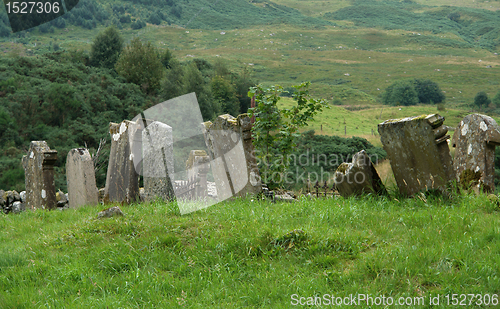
417,148
475,139
80,177
158,164
197,166
358,177
122,179
234,166
38,167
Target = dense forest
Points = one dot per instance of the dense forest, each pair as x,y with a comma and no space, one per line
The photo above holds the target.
63,99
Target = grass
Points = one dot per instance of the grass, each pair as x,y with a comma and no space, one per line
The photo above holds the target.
249,253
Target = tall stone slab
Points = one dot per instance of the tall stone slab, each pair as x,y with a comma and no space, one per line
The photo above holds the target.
39,176
80,177
158,161
475,139
417,148
198,166
122,179
234,166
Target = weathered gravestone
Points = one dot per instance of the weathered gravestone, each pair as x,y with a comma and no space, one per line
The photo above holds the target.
158,164
80,177
358,177
229,143
122,179
475,139
417,148
197,166
39,176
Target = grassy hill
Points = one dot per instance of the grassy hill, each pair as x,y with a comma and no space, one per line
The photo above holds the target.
250,253
349,43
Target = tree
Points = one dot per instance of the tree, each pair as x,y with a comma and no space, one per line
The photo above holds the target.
140,64
165,57
173,85
242,83
481,99
106,48
195,82
428,91
223,91
401,93
496,100
275,130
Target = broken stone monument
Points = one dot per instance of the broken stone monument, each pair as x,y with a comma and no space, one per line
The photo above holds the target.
122,179
475,139
234,166
417,148
358,177
197,166
80,177
38,167
158,164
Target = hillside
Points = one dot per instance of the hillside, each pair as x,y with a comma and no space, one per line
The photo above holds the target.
351,51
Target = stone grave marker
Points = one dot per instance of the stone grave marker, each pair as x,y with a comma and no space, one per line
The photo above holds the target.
475,139
38,167
418,150
198,166
80,177
158,163
231,152
358,177
122,179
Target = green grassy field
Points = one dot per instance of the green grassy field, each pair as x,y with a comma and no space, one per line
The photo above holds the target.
245,253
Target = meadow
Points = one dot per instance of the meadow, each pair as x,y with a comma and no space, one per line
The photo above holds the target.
251,253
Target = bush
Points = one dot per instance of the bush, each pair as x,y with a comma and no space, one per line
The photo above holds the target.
428,91
481,99
496,100
138,25
401,93
106,48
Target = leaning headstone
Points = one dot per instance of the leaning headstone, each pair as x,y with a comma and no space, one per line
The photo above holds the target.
197,166
39,176
358,177
475,139
122,179
234,166
417,148
80,177
158,163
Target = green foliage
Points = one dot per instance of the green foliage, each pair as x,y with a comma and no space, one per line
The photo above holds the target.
411,92
223,91
473,26
165,58
194,81
428,91
106,48
319,156
401,92
140,64
496,100
481,99
58,99
275,130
